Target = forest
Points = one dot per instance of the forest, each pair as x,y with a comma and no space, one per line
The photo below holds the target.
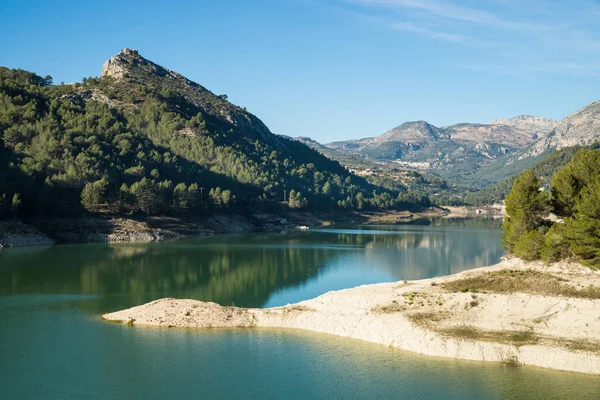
544,168
560,223
155,143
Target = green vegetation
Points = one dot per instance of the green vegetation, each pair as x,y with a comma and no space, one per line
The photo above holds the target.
544,166
523,281
526,206
155,143
575,200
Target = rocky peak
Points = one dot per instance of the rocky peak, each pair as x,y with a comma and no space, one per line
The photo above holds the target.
528,122
130,62
413,131
115,67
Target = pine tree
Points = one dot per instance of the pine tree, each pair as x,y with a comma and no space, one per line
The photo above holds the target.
583,230
181,201
526,207
93,194
15,205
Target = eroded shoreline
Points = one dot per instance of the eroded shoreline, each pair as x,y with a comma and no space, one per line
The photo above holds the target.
550,319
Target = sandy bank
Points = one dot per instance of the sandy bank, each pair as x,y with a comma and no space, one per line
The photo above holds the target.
559,329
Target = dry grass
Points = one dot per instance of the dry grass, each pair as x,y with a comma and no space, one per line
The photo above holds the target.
590,346
520,338
394,307
426,318
296,309
516,338
525,281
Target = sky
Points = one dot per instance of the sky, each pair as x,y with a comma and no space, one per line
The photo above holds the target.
333,69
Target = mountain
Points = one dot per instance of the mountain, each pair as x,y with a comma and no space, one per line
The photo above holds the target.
482,153
528,123
544,166
351,161
452,151
145,139
580,128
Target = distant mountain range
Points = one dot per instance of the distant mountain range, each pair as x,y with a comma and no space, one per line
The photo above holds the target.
485,152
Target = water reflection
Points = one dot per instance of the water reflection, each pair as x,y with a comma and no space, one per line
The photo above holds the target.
247,270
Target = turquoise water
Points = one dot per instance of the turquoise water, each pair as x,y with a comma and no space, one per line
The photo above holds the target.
53,344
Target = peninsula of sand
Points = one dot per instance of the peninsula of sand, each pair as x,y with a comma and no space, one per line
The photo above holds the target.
514,312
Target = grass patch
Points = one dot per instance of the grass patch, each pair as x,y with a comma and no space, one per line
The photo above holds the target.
590,346
114,321
520,338
389,308
516,338
426,318
291,309
525,281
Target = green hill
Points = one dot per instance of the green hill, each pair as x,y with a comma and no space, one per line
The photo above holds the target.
144,139
544,166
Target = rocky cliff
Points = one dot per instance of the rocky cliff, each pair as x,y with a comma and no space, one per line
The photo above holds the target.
129,65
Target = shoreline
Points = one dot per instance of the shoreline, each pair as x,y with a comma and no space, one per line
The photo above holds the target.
115,229
432,316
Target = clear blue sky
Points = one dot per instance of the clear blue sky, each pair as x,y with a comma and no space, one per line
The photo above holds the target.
333,69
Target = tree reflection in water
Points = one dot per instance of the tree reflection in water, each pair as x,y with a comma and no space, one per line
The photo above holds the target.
244,269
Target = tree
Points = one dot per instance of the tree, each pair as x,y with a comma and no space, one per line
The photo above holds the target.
181,201
583,230
530,244
360,201
226,197
193,196
567,182
297,200
216,196
93,194
145,194
526,207
15,205
556,246
125,196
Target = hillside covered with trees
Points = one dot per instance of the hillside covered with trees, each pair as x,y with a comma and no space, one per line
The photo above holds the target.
144,139
575,201
544,168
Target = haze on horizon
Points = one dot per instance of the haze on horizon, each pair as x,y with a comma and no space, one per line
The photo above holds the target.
334,69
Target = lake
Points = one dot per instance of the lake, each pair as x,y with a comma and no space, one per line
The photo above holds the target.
54,345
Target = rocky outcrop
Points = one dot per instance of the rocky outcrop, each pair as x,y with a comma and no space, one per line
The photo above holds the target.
115,67
18,234
129,64
538,126
150,229
580,128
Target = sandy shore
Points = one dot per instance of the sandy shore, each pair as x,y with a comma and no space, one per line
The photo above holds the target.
513,312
